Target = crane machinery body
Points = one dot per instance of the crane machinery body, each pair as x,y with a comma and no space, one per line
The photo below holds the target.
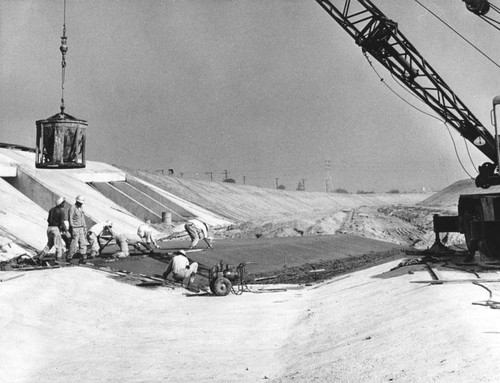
478,214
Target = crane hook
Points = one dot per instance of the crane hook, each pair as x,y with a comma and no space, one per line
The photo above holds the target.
478,7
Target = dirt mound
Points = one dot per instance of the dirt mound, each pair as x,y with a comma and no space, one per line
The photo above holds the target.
410,226
448,197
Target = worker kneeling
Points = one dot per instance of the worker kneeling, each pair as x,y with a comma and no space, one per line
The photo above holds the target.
181,269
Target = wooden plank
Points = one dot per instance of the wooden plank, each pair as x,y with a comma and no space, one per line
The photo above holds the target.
436,282
8,279
432,272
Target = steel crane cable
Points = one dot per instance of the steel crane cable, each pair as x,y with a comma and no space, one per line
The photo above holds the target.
490,20
458,34
63,48
443,121
421,111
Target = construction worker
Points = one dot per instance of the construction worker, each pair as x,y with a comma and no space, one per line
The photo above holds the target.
181,269
57,225
95,233
145,233
197,230
78,229
121,242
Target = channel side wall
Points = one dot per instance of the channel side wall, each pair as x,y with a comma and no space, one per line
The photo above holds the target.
127,202
38,193
151,200
178,212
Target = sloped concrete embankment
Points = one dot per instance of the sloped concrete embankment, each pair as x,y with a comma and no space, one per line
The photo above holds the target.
44,186
242,203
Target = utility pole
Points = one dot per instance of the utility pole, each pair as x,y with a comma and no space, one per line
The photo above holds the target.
302,184
329,180
211,175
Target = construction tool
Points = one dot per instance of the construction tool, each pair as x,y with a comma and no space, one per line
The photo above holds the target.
441,281
489,302
8,279
221,279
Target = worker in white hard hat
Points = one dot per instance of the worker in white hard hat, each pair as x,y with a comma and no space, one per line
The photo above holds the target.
57,225
100,229
197,230
181,269
78,229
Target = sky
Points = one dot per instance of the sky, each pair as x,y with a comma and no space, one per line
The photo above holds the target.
269,92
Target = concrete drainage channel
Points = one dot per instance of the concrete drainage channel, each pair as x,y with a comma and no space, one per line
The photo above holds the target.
245,265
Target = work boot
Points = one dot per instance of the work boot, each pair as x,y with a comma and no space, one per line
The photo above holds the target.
60,259
473,257
40,257
83,259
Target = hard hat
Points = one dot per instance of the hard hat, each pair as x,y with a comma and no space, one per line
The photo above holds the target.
182,252
109,223
60,200
79,198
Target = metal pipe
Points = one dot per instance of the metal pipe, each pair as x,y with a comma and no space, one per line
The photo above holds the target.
496,101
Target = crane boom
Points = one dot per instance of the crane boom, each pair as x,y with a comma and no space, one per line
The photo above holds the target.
379,36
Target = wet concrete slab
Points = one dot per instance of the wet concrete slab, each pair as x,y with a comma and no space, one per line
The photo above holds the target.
275,253
263,255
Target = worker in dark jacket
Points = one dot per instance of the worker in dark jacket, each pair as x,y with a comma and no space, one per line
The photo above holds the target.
57,226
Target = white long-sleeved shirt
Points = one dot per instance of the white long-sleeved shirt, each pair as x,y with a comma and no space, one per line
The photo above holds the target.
200,226
179,263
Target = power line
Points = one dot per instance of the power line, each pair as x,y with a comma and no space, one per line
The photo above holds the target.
420,110
458,34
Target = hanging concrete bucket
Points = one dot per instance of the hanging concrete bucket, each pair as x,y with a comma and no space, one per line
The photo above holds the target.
60,142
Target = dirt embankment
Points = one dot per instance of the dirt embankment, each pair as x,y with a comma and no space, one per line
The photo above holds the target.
259,212
403,219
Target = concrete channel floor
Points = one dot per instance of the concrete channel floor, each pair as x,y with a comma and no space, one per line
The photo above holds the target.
264,256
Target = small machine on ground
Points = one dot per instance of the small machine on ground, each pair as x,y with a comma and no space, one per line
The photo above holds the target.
222,277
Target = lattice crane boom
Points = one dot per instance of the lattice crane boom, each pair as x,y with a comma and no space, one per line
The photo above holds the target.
380,37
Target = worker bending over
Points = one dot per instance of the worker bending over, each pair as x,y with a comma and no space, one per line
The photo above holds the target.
145,233
122,243
197,230
99,230
181,269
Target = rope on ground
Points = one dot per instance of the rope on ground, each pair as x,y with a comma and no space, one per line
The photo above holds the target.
489,302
